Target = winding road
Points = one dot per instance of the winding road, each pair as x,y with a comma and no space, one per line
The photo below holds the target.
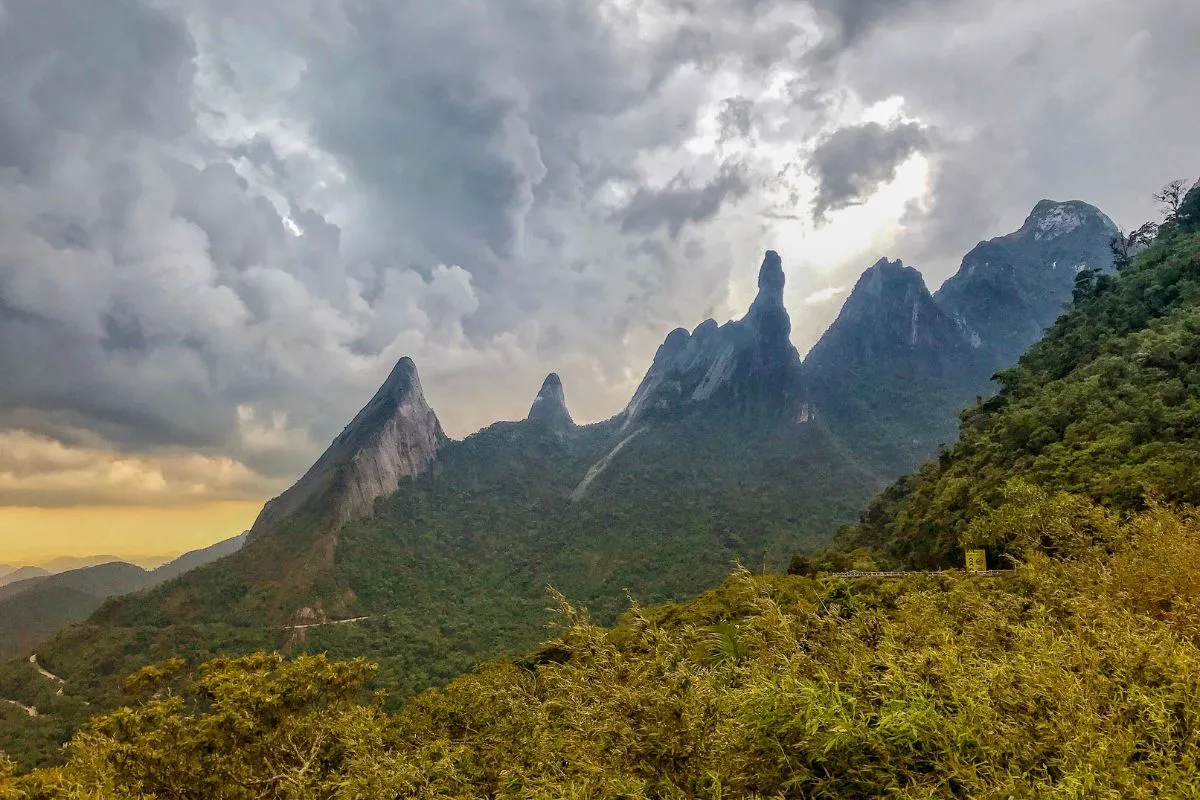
30,710
319,624
47,674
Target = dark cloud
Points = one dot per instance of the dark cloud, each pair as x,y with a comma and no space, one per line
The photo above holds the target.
736,117
682,202
849,23
222,221
851,163
1035,99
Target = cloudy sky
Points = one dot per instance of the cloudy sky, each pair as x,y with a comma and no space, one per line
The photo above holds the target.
223,221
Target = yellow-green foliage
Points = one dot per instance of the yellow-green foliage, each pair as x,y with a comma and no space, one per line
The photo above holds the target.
1106,405
1077,676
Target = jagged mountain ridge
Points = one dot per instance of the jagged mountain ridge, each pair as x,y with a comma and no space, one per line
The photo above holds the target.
891,327
893,369
729,451
748,366
891,316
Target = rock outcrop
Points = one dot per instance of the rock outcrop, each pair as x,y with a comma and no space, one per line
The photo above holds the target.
890,323
747,366
550,405
396,435
1011,288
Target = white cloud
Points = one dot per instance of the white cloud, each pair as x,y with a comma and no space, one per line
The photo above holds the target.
227,219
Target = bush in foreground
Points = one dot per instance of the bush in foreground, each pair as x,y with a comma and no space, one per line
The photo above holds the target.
1075,676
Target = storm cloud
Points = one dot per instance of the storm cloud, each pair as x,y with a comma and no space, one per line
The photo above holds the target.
851,163
223,221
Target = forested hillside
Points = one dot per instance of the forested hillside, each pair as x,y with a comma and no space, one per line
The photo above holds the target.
1076,675
1073,673
720,456
1106,405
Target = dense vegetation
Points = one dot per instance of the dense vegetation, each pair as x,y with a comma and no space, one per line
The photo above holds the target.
453,569
1077,675
1107,405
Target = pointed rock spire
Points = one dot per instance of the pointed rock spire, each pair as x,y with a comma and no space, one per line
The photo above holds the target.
395,435
889,318
748,366
550,405
771,279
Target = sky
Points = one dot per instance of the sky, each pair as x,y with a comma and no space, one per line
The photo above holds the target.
223,221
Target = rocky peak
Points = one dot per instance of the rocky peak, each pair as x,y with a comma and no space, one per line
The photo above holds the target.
770,281
394,436
886,282
889,315
1011,288
748,365
1051,219
550,405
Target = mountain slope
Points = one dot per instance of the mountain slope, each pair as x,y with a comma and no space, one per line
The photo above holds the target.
32,609
1069,677
1011,288
39,612
22,574
1107,405
891,372
709,464
713,462
396,435
440,551
103,580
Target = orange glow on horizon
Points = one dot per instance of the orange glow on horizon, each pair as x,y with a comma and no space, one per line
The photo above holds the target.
31,534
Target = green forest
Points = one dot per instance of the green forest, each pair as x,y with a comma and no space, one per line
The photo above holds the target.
1106,405
1073,674
1076,675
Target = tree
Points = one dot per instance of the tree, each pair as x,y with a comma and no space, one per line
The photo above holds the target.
1085,285
1170,198
1125,246
1189,210
250,727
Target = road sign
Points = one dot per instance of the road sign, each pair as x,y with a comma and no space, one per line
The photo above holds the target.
976,561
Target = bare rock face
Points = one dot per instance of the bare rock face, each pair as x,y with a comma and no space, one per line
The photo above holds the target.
396,435
890,322
1011,288
550,405
746,367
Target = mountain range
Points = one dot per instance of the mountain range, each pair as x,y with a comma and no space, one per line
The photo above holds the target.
1074,665
10,573
38,606
733,448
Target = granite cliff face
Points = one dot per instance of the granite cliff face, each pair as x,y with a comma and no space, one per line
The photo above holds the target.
746,367
550,406
890,374
1011,288
396,435
890,321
